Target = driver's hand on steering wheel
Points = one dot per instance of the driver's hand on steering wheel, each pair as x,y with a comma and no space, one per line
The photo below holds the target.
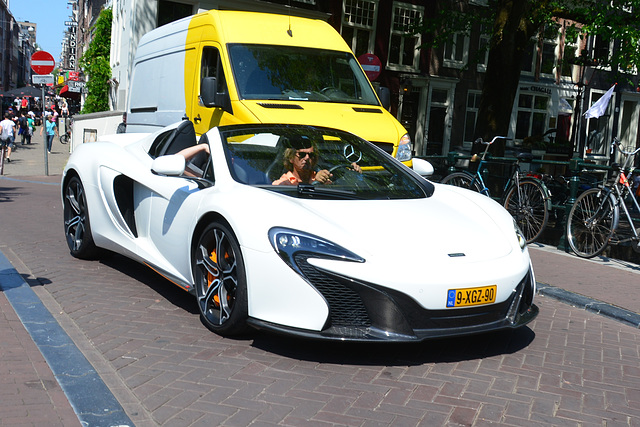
324,176
356,167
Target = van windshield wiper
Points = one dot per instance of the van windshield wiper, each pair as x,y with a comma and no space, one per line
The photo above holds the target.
322,191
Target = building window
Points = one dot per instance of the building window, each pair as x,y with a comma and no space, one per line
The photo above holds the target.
599,128
169,11
601,49
473,106
403,48
358,25
456,51
549,54
483,48
570,53
532,116
529,59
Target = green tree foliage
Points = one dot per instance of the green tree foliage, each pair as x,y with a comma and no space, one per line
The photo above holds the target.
95,63
513,27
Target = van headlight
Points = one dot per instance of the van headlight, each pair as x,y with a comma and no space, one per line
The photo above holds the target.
404,148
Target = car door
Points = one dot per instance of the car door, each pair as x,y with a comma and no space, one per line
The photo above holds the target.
171,213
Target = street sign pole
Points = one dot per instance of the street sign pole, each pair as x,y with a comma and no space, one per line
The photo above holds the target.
43,63
44,124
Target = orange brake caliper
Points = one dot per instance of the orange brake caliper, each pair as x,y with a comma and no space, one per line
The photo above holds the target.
211,277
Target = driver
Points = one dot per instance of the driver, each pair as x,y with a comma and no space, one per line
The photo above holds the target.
299,160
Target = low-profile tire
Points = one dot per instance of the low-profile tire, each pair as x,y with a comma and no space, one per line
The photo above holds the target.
462,180
220,280
77,227
591,222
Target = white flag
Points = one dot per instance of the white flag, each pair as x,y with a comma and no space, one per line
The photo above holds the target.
600,106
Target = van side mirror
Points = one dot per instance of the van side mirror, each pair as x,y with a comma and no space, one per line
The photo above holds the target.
385,96
209,92
210,96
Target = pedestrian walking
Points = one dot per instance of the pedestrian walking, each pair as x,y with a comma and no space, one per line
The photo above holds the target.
7,135
31,128
51,130
23,127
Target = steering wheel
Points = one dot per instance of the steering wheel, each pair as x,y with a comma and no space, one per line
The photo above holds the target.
331,91
338,171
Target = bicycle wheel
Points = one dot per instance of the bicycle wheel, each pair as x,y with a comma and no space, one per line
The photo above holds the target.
528,204
592,220
463,180
64,138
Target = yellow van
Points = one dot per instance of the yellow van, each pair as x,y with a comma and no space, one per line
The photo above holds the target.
225,67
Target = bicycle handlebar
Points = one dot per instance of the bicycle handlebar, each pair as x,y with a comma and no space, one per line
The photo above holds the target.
616,142
481,141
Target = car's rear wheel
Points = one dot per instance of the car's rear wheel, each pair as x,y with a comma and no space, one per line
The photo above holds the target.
220,280
77,228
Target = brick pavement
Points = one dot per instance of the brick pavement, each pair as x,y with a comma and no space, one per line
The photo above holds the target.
142,335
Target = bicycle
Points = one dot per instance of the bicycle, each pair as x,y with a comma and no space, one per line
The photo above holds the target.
66,136
526,198
595,215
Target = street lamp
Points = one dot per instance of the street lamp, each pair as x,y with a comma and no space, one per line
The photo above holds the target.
582,69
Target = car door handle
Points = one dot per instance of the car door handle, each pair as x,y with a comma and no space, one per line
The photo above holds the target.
197,119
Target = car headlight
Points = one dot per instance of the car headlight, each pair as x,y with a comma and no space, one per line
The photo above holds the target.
289,243
404,148
522,241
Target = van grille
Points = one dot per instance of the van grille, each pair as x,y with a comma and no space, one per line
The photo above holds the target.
384,146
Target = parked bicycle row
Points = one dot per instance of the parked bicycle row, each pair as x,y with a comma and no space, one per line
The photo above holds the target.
533,198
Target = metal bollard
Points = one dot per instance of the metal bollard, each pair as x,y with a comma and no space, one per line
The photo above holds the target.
452,159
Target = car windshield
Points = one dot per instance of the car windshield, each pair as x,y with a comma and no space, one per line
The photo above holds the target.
299,74
270,157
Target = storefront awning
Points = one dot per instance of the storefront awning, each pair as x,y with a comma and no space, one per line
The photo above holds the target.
66,93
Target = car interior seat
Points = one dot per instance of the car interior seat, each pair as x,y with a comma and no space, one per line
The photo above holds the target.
182,137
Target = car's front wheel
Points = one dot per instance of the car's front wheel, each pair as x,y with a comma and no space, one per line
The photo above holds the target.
76,220
220,280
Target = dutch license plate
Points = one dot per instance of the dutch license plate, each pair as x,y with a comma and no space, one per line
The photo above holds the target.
471,296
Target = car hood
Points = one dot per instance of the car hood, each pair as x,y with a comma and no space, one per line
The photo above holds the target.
452,223
445,226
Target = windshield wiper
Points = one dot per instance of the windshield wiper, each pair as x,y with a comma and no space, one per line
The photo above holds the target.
322,191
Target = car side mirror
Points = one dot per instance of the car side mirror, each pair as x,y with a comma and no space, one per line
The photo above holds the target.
170,165
422,167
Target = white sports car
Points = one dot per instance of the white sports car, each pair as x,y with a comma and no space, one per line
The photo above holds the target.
355,247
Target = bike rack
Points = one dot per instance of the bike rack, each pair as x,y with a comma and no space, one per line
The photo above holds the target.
575,166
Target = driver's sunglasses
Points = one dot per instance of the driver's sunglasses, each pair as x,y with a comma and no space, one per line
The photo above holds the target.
303,154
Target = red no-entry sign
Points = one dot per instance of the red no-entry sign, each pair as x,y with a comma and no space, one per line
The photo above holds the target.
42,62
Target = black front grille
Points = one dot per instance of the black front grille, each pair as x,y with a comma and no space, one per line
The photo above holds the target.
384,146
345,305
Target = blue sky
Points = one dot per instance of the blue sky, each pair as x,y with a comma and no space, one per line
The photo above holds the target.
50,16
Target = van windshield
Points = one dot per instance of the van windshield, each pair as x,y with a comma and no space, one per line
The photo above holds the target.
299,74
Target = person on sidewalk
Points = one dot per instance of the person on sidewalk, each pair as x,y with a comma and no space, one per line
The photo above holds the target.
31,128
52,131
22,127
7,135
